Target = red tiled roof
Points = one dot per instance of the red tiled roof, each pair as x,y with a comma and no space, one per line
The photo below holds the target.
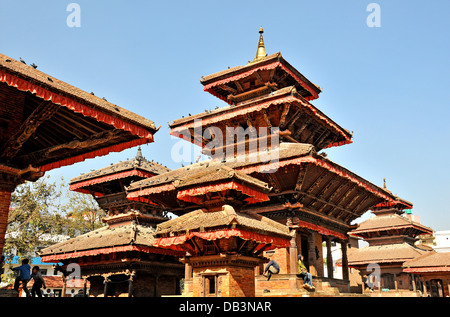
430,262
390,253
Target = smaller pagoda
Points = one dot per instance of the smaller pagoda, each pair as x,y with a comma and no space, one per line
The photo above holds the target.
120,258
222,245
391,235
108,187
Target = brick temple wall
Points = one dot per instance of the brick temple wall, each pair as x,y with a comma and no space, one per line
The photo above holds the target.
232,281
5,199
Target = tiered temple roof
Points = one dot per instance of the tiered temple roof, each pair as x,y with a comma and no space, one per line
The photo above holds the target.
300,179
259,232
431,262
130,224
46,123
390,235
269,93
272,72
102,181
388,225
129,237
396,253
87,125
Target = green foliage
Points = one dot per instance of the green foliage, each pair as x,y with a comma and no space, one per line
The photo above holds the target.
43,210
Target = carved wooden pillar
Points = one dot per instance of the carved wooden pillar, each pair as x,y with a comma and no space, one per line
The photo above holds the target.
329,258
395,282
312,254
413,281
130,285
106,282
85,286
64,288
156,289
293,253
188,271
345,275
425,290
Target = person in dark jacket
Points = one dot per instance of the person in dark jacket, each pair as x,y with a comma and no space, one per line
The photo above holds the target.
38,282
271,268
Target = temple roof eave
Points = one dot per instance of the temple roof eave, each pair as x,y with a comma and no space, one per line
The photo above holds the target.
104,237
119,170
389,222
390,253
290,156
276,57
87,126
9,65
284,95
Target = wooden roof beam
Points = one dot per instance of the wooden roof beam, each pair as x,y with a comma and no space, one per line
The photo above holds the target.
274,181
293,119
303,126
42,113
96,139
229,89
267,119
258,76
342,209
301,177
284,113
69,129
324,190
343,198
239,86
85,124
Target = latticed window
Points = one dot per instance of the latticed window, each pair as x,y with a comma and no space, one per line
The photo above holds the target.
210,285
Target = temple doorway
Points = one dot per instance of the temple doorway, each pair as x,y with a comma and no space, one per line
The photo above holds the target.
436,288
304,249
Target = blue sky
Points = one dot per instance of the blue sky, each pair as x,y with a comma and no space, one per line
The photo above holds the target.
387,84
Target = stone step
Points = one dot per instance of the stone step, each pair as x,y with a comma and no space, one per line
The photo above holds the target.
322,289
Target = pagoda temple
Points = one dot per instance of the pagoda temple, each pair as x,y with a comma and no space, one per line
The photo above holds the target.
270,102
120,258
391,235
46,123
222,244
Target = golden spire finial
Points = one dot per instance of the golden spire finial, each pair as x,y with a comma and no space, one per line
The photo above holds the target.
384,183
261,51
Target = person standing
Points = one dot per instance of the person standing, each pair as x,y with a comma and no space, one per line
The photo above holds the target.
24,277
38,282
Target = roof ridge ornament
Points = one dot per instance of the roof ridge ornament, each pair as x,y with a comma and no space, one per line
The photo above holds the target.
261,50
139,157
